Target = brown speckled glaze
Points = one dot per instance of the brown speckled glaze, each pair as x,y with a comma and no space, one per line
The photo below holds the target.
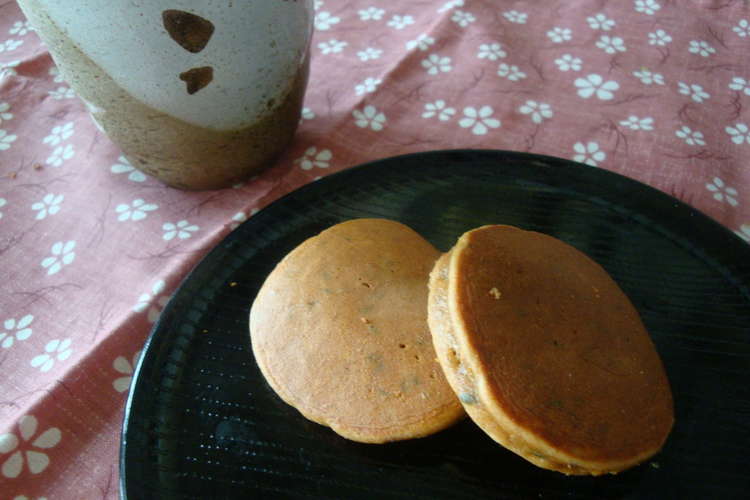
181,154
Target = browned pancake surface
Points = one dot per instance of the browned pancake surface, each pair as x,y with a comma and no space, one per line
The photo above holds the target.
339,330
559,348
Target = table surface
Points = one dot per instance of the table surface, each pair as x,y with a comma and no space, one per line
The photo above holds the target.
91,249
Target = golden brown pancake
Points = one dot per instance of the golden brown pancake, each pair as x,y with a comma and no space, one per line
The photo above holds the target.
339,330
546,353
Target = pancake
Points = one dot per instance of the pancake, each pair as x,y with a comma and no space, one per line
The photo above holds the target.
339,331
546,353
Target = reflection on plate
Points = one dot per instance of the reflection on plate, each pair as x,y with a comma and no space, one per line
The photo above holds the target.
202,423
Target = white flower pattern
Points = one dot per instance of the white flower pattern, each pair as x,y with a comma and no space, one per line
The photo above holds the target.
5,113
722,192
20,28
516,17
15,330
371,14
27,451
325,20
332,46
559,35
435,64
611,45
567,62
6,139
743,28
59,133
153,303
123,166
49,205
399,22
600,22
648,7
422,42
369,53
701,47
659,37
648,78
740,85
62,255
595,85
693,90
740,133
181,230
125,367
539,111
479,120
588,153
370,117
307,114
60,154
690,136
511,72
10,45
463,18
491,51
635,123
314,158
451,4
62,93
136,210
55,350
368,86
439,109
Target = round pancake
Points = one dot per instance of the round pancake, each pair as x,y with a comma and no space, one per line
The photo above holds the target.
339,330
546,353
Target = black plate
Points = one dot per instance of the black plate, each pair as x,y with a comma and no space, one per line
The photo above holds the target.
201,422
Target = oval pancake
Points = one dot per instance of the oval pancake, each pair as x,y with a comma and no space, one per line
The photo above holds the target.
339,330
546,353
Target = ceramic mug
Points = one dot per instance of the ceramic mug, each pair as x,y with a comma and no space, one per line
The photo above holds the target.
200,94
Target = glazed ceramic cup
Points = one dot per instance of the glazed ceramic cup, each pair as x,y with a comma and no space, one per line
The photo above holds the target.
198,93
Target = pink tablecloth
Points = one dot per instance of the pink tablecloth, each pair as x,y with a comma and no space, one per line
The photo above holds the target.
90,249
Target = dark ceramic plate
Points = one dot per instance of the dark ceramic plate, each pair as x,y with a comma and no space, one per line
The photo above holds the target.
202,423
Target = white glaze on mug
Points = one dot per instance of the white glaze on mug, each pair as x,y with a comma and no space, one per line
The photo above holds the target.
251,54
